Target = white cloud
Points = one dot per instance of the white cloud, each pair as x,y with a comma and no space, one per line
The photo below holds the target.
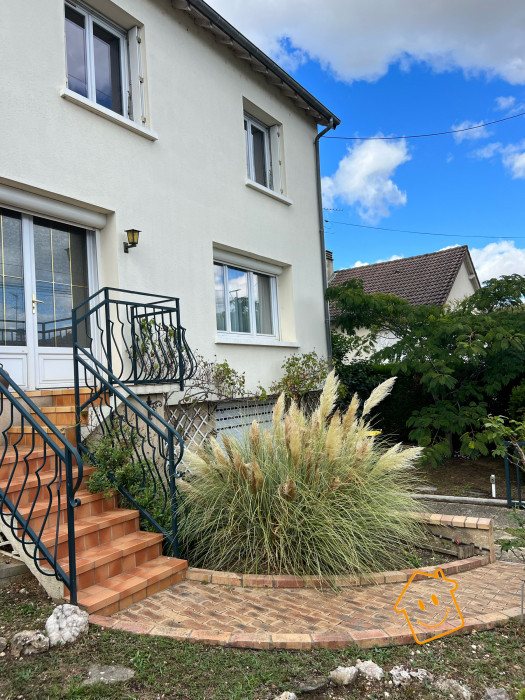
488,151
509,105
495,259
359,39
514,160
505,103
473,134
364,179
449,158
512,156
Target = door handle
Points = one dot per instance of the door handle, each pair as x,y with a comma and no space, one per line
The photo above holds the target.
35,302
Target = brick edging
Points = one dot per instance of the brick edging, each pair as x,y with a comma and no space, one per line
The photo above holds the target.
227,578
396,635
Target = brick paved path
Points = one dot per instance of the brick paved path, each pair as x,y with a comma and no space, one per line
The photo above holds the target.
300,618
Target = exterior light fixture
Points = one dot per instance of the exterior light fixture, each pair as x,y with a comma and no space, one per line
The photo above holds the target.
133,239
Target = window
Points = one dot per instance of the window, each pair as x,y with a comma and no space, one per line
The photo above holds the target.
245,301
258,152
100,66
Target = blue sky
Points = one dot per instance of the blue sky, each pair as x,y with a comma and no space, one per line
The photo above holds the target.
409,69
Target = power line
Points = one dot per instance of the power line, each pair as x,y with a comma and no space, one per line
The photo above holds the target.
422,233
420,136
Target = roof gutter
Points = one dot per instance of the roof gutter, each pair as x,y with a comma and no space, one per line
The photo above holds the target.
330,126
214,20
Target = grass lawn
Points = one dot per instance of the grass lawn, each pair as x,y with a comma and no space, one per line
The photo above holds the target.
168,669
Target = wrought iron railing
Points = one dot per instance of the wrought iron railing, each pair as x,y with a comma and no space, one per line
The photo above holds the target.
142,343
138,337
514,461
38,485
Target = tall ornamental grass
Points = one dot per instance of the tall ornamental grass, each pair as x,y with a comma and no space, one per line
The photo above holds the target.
313,495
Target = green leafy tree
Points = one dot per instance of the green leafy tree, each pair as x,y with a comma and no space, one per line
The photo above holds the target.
462,356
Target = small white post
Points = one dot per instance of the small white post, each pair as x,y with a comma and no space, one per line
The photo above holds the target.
493,484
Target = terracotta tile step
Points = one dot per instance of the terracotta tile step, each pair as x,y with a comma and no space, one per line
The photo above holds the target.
61,415
91,531
52,392
26,461
28,436
90,504
34,486
127,588
98,564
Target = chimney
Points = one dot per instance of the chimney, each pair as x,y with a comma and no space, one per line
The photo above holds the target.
329,264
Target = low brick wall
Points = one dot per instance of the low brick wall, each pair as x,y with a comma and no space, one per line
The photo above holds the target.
476,531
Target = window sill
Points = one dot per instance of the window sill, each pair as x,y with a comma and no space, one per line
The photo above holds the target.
254,340
270,193
81,101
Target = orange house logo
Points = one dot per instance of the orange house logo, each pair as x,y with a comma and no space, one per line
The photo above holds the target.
429,604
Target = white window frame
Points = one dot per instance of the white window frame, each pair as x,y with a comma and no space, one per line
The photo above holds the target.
90,16
252,335
249,151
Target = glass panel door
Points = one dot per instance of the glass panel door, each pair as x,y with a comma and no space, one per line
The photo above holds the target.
12,312
61,278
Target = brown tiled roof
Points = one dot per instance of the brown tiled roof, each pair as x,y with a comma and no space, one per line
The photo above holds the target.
422,279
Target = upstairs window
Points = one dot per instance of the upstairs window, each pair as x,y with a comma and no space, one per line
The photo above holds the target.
245,302
258,152
96,59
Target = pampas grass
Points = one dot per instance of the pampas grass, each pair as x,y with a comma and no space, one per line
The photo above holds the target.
315,495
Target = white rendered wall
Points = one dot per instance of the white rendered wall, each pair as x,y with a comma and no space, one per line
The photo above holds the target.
464,285
185,191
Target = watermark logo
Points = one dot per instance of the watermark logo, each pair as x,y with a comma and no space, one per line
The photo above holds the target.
429,604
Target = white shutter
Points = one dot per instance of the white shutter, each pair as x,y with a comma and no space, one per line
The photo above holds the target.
136,76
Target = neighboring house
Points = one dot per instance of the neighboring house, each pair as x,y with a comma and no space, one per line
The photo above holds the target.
156,116
434,278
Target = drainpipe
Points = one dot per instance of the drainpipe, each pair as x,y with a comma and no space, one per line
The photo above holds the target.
321,236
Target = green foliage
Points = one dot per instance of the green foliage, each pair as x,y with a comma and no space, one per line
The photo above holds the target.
302,373
517,402
115,456
313,495
500,430
214,380
462,357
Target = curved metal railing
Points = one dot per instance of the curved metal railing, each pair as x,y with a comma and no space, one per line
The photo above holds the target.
38,485
138,337
136,450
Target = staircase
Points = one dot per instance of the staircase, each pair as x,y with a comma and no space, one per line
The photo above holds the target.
116,563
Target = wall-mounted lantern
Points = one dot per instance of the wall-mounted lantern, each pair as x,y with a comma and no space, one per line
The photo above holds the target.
133,239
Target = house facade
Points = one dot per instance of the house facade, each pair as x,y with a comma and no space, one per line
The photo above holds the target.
156,116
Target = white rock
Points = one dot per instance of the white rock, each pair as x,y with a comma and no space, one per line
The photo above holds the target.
3,643
401,675
454,688
66,623
28,642
286,696
496,694
343,675
370,670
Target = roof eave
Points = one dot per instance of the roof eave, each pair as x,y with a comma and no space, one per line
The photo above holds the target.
225,33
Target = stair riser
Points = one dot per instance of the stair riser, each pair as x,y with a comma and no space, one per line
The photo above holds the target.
124,603
46,491
69,400
30,439
63,418
22,468
102,573
99,537
82,511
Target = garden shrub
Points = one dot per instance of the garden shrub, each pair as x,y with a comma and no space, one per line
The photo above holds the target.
312,495
115,456
517,402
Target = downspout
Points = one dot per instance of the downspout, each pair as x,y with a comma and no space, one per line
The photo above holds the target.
321,237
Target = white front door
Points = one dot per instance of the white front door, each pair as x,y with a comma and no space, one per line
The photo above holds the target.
44,274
